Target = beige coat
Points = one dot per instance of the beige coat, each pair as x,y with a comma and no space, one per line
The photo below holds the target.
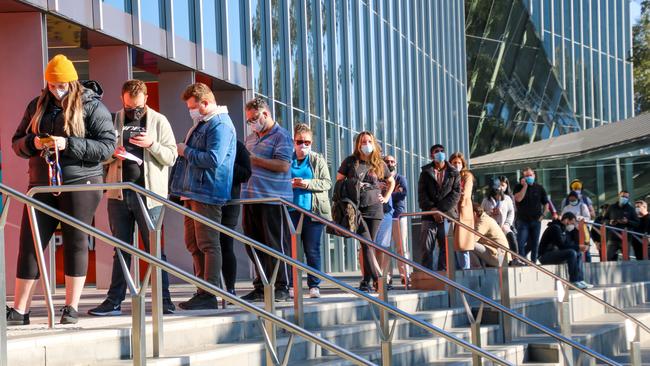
489,228
463,239
157,158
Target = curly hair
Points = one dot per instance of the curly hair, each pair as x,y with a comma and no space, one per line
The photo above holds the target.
376,162
299,128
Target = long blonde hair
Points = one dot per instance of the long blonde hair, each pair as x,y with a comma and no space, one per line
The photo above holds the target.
73,113
375,160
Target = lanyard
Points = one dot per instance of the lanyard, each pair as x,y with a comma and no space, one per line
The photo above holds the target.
53,168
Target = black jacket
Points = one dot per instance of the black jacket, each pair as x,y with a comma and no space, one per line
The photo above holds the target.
556,238
615,212
82,156
432,196
242,169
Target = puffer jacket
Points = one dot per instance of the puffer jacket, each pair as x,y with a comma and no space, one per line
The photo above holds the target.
83,156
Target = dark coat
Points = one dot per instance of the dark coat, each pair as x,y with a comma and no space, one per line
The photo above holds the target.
83,156
242,169
556,238
432,196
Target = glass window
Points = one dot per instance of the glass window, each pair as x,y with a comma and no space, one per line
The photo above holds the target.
260,56
153,11
295,48
312,57
212,26
236,35
124,5
327,66
586,22
594,24
577,29
184,19
353,68
622,33
341,98
278,40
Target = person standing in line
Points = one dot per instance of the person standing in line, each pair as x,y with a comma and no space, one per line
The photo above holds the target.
230,217
530,200
70,118
203,178
271,152
438,189
463,239
498,205
385,232
641,208
366,164
576,186
622,216
311,182
147,135
399,206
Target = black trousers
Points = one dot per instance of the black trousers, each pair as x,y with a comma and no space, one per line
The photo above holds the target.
80,205
267,224
369,264
433,234
229,218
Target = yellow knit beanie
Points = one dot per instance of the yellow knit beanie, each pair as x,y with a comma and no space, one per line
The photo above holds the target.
60,70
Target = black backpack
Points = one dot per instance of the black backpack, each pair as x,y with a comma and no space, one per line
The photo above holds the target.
345,203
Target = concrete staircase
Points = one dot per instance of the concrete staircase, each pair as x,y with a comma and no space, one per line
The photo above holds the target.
233,337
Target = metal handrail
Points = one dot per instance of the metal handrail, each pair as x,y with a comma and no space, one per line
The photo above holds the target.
614,228
485,300
179,273
536,266
384,306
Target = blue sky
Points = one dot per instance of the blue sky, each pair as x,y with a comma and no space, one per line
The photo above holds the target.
635,10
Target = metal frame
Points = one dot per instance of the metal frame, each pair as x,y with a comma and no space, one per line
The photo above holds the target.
139,352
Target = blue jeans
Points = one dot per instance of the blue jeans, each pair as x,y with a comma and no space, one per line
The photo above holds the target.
528,237
310,236
385,233
572,258
122,216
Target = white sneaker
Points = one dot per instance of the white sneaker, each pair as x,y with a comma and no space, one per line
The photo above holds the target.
587,285
291,292
580,284
314,292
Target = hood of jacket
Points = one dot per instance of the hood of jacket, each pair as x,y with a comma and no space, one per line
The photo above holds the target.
92,91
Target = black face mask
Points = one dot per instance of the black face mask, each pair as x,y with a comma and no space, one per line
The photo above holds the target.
134,114
391,168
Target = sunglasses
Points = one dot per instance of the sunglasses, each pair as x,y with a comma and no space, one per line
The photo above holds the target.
305,142
390,161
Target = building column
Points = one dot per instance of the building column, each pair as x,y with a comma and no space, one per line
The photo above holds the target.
170,87
111,67
22,36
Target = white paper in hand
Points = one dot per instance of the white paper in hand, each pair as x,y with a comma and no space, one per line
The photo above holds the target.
129,156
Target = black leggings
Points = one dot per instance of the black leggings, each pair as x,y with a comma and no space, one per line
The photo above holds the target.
369,264
81,205
229,218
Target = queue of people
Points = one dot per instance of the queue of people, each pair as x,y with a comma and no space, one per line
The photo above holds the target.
69,137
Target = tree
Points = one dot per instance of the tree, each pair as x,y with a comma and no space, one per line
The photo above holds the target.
641,59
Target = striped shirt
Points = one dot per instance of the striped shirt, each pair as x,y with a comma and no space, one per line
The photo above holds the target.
264,183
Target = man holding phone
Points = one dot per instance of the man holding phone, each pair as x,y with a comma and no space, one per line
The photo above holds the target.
146,148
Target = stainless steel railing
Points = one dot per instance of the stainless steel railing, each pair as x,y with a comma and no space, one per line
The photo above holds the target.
474,321
177,272
565,284
269,331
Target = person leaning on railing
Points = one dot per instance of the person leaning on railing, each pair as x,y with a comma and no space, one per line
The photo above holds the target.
311,182
68,116
620,215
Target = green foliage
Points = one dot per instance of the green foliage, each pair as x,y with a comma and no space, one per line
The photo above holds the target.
641,59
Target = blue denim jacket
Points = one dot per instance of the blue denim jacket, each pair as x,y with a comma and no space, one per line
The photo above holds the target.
205,172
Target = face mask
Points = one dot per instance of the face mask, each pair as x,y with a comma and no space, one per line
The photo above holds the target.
367,149
391,168
458,167
258,125
530,180
577,191
305,149
638,211
623,201
573,203
439,156
570,227
59,94
195,115
134,114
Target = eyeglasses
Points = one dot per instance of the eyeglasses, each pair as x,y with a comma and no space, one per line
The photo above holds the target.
303,142
390,161
253,120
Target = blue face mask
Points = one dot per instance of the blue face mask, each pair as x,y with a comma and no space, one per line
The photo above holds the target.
440,156
530,180
623,201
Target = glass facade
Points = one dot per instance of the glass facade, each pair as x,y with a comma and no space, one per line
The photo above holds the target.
541,68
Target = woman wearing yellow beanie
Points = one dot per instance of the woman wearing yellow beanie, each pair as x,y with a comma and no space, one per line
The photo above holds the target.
68,116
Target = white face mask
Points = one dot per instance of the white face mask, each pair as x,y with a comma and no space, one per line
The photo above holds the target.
458,167
195,115
367,149
258,125
60,93
570,227
305,149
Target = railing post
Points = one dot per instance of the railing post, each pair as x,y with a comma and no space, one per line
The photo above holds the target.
38,248
625,247
582,238
504,285
633,335
644,250
52,259
603,243
450,262
3,284
564,317
155,246
135,263
139,331
384,324
297,254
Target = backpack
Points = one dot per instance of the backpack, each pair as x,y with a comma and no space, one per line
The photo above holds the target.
345,203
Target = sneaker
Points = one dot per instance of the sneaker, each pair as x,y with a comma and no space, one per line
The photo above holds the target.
281,295
107,308
16,318
232,291
314,292
200,301
587,285
254,296
168,306
363,286
581,285
291,292
69,315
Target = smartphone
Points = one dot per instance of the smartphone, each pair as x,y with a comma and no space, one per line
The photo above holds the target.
133,131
